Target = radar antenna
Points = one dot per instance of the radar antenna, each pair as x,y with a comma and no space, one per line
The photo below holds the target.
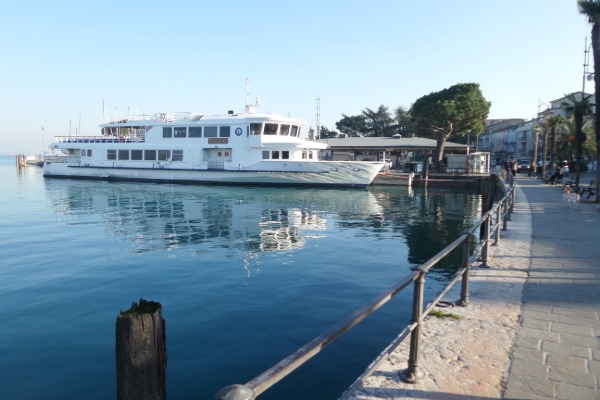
250,107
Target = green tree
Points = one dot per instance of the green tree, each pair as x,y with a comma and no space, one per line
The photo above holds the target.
325,133
378,122
403,121
352,125
457,110
591,9
554,124
578,109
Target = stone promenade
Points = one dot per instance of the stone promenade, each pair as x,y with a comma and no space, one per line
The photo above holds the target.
556,354
532,328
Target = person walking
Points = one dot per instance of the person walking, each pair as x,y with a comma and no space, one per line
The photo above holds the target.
513,167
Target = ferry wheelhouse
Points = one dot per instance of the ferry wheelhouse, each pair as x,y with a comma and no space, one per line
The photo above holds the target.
233,148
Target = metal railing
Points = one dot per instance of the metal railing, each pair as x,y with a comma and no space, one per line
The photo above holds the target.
489,225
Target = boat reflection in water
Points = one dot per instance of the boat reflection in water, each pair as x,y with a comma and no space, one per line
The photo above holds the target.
154,217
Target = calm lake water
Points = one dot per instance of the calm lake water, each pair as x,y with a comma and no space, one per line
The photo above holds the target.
245,276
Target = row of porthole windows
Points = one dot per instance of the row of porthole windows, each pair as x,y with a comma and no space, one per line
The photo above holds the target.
196,131
285,155
145,155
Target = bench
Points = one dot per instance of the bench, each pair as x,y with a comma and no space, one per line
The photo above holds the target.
590,189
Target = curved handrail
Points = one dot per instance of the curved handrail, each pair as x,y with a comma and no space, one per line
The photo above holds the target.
271,376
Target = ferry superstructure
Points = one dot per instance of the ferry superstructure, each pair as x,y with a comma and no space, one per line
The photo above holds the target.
233,148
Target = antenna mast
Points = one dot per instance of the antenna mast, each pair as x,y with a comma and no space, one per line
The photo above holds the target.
250,107
318,117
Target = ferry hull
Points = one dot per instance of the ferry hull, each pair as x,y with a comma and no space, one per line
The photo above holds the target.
333,174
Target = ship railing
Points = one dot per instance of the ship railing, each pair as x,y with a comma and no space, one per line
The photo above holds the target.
97,139
158,117
488,228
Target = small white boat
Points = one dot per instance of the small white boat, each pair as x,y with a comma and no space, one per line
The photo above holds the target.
233,148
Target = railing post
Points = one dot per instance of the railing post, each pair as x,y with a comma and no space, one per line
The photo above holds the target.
509,204
486,246
414,373
505,219
498,223
464,288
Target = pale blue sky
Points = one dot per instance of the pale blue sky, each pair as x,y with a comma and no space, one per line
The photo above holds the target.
60,59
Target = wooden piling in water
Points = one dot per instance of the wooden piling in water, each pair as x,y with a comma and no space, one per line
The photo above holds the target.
141,352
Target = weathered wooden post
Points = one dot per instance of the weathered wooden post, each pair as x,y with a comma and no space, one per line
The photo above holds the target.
141,353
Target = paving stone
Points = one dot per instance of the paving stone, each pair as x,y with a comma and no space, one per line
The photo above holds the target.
526,368
574,329
561,375
538,307
564,348
593,342
529,384
539,334
531,355
518,395
528,342
594,366
582,321
590,312
537,315
565,361
536,324
571,392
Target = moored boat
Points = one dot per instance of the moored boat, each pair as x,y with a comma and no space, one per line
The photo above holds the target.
233,148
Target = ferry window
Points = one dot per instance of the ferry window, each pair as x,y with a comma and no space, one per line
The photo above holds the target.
285,155
224,131
270,129
294,130
310,154
123,154
83,152
111,154
180,132
167,132
275,155
150,155
137,154
285,130
195,131
177,155
164,155
304,157
210,131
89,152
255,129
266,155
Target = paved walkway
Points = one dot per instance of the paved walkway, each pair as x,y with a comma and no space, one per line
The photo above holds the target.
556,353
533,322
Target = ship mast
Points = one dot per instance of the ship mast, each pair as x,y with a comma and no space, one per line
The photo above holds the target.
250,107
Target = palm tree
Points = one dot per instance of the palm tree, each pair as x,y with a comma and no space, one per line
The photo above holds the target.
579,109
591,9
554,123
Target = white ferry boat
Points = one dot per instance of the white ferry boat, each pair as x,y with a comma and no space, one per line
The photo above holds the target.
233,148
